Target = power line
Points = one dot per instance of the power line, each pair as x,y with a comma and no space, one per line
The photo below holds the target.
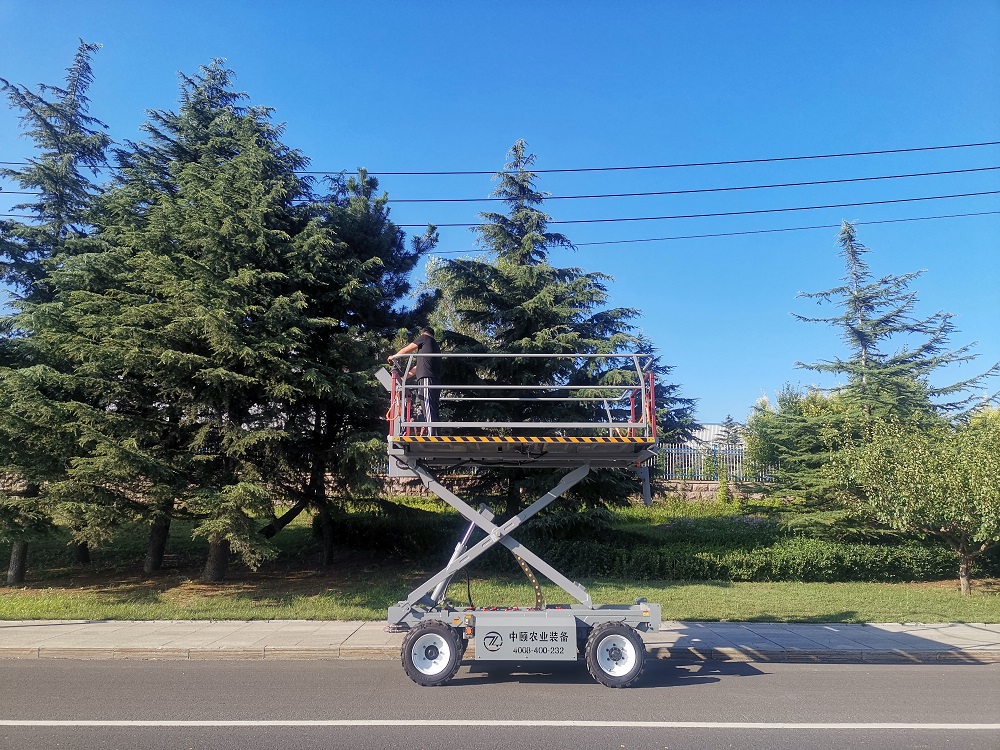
679,165
757,231
715,214
640,166
721,234
691,191
734,213
707,190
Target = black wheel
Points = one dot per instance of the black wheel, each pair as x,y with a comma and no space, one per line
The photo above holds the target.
432,653
615,654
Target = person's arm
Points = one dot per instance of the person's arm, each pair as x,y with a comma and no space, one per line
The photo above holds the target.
411,347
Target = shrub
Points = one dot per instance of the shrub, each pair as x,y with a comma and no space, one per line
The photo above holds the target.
794,559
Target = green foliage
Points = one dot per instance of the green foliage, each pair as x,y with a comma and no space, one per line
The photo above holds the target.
888,374
789,559
942,482
876,315
589,523
514,301
68,142
397,531
792,441
38,441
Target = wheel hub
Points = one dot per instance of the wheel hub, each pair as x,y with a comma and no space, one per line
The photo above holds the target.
431,652
615,654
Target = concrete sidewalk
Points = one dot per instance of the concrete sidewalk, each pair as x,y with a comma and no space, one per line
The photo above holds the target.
308,639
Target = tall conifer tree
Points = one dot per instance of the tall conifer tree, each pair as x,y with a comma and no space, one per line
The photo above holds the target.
893,352
35,447
514,301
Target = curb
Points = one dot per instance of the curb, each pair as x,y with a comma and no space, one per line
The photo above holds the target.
391,653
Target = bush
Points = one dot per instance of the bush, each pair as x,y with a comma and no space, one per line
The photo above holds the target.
794,559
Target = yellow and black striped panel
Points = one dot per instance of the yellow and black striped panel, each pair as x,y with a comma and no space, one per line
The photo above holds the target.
520,439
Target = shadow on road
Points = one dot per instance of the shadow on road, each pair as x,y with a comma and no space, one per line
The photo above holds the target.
656,674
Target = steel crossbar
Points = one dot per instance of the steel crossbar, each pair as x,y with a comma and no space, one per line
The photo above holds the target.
495,534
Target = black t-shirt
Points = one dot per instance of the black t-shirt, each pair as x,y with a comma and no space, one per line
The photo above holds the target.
427,367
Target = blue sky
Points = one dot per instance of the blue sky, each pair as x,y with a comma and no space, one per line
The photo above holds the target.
450,86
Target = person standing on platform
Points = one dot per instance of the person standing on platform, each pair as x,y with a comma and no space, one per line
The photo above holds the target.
425,372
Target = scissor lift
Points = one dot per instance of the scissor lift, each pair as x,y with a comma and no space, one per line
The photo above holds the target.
622,436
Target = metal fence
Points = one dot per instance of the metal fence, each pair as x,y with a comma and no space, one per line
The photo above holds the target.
705,463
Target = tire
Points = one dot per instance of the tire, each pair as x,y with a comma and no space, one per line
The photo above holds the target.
432,653
615,654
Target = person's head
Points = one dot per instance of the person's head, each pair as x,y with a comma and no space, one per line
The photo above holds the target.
428,330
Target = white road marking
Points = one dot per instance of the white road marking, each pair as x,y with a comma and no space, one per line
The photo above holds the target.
500,723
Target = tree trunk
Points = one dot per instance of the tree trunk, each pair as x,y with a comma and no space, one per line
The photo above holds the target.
159,533
80,554
286,518
964,565
326,534
18,563
317,493
217,563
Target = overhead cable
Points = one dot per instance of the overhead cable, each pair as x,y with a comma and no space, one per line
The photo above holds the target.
732,213
643,166
691,191
706,190
673,166
756,231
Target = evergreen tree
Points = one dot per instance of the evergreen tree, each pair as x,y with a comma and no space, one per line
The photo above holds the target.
70,143
35,446
226,329
892,352
177,332
352,267
514,301
893,356
789,443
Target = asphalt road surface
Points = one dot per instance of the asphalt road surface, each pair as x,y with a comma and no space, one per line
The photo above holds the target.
371,704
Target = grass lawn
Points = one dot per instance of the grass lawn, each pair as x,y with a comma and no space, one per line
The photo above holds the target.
354,592
362,584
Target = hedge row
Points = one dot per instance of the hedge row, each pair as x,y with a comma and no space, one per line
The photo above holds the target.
429,539
791,559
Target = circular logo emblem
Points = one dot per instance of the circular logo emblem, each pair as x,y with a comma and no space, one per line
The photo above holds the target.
493,641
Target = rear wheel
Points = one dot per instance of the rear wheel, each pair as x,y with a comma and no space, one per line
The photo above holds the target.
615,654
432,653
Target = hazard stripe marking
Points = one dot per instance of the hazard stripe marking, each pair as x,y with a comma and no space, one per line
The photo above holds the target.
509,439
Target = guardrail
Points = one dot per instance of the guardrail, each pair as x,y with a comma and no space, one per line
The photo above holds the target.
618,410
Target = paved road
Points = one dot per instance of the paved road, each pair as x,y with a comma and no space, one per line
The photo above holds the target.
371,704
316,639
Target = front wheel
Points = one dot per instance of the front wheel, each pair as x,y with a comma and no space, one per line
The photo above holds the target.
614,654
431,653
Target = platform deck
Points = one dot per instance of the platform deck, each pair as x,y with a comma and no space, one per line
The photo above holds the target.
443,451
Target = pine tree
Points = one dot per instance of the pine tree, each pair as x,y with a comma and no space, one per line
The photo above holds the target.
174,336
69,143
514,301
352,267
791,442
893,356
35,446
230,323
887,376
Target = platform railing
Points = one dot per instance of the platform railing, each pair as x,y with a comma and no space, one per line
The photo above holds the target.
619,410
